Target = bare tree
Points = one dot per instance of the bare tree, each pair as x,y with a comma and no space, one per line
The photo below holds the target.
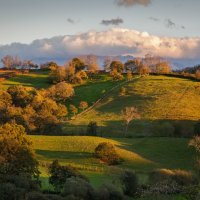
106,63
7,61
129,114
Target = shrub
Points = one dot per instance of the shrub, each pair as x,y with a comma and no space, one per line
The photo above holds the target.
122,91
181,177
107,153
73,109
78,187
83,105
92,128
166,187
129,181
8,191
59,174
191,192
109,191
35,196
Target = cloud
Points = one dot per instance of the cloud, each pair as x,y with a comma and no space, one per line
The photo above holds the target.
72,21
154,19
170,24
116,41
116,22
128,3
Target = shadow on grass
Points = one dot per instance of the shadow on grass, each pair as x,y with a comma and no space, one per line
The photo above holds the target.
29,81
62,154
137,128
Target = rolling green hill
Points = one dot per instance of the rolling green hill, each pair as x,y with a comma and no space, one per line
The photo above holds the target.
167,105
33,79
141,155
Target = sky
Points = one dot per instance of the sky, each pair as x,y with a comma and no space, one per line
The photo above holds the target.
26,20
57,29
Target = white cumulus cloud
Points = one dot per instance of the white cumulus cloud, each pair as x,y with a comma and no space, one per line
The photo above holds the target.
116,41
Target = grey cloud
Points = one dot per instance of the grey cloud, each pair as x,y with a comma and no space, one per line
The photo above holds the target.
128,3
154,19
170,24
116,22
72,21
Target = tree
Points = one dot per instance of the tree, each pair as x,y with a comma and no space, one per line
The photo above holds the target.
16,155
92,128
5,99
116,75
57,74
106,152
122,91
133,65
75,73
91,63
83,105
21,96
61,91
78,64
129,75
11,62
195,143
197,74
117,66
163,68
129,114
59,174
7,61
73,109
106,64
49,65
143,70
130,184
78,188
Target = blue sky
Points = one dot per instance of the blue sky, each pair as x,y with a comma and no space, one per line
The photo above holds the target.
26,20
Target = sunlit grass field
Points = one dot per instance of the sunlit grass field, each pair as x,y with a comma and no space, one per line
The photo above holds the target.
141,155
161,101
32,79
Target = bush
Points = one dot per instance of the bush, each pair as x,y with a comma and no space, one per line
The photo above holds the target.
92,128
109,192
78,188
8,191
122,91
166,187
129,181
181,177
59,174
107,153
36,196
191,192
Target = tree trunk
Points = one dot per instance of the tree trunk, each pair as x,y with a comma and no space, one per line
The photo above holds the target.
126,130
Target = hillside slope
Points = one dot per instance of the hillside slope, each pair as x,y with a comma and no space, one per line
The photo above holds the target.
141,155
167,105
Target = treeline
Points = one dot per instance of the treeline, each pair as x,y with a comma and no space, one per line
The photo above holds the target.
38,111
77,70
190,72
11,62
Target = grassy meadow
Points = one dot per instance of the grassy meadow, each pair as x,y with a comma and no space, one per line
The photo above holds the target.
140,154
164,103
32,79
